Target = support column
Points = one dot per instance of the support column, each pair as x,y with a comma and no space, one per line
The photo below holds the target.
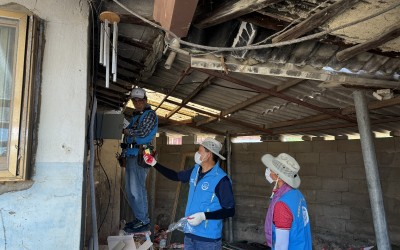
371,171
229,172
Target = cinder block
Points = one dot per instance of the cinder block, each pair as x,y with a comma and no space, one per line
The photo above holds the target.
358,186
341,137
324,146
246,179
240,188
318,138
335,184
388,173
391,188
310,195
250,147
354,172
397,143
355,200
394,234
259,180
278,147
349,146
332,158
331,170
388,158
361,214
310,183
330,224
246,200
385,144
249,231
306,158
162,139
297,147
308,169
189,139
337,211
354,158
360,227
331,198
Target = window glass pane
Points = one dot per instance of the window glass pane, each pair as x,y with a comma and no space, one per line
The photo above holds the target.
7,72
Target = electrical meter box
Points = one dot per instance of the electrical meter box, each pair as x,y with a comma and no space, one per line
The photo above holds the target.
109,125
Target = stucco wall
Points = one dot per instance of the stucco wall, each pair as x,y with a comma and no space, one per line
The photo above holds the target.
333,182
48,215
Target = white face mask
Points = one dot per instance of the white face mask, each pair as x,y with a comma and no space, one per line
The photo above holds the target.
268,175
197,158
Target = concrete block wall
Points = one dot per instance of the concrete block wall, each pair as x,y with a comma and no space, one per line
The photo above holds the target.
333,182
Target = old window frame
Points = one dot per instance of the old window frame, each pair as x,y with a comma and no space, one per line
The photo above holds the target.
25,97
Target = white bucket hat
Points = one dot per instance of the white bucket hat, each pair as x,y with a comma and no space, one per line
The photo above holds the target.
138,93
213,145
285,167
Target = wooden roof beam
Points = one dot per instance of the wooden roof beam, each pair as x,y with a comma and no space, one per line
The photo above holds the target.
389,35
199,88
230,10
276,94
291,82
135,42
315,20
345,111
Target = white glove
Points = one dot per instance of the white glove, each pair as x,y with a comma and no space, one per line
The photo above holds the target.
196,219
149,160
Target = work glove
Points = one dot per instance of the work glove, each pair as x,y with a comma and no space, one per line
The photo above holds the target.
149,159
196,219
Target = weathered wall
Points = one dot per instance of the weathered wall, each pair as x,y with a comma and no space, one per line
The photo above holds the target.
333,181
48,215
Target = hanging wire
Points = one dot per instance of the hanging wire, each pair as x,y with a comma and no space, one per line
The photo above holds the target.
255,47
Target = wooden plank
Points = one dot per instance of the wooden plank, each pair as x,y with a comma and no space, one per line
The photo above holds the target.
230,10
276,94
135,42
199,88
264,21
315,20
345,111
348,53
187,71
327,127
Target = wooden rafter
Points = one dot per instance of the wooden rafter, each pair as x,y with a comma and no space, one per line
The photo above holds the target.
228,119
348,53
230,10
135,42
187,71
290,83
345,111
315,20
336,126
276,94
199,88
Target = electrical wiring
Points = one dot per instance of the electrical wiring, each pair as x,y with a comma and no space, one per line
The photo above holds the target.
255,47
109,186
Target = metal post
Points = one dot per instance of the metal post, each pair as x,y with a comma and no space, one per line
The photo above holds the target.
228,167
371,171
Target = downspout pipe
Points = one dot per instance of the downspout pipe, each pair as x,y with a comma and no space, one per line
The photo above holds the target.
229,172
371,171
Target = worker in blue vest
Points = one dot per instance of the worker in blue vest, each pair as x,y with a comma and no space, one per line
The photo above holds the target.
138,134
287,224
210,197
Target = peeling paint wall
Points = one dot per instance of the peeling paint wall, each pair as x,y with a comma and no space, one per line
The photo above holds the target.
48,215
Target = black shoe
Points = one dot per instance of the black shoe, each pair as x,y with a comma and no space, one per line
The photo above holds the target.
137,227
130,224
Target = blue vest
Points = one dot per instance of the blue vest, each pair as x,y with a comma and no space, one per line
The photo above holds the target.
140,140
300,232
202,198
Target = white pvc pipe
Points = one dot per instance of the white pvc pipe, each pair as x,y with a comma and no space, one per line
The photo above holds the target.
114,51
106,39
107,53
101,60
